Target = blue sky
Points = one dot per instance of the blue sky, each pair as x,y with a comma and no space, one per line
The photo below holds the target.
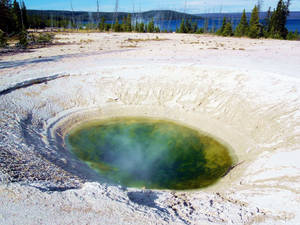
190,6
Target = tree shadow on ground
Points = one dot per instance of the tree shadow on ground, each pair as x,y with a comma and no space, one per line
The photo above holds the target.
56,58
145,198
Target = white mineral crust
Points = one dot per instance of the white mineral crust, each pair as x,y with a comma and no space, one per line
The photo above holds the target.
244,92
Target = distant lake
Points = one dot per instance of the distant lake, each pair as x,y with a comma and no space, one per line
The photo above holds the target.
293,25
213,23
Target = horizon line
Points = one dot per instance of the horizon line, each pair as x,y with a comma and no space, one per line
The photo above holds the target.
144,11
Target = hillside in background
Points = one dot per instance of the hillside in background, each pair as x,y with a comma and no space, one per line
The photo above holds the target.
86,17
165,19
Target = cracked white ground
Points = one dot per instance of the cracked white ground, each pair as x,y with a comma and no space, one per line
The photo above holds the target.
242,91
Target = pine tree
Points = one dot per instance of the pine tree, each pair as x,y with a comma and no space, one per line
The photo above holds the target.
150,27
194,27
140,27
107,27
102,24
128,23
17,15
3,39
123,24
136,26
188,26
267,23
156,29
278,20
220,31
243,27
6,20
227,29
182,28
23,39
24,15
116,26
254,27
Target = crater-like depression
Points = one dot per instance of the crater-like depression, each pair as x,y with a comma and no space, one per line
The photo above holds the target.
150,153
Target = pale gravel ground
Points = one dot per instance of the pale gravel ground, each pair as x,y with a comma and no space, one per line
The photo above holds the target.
245,92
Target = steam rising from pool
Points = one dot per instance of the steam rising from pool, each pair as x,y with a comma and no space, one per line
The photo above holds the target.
155,154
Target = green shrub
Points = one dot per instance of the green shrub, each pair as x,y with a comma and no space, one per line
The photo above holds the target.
45,38
107,27
292,36
3,39
200,31
23,39
156,29
276,36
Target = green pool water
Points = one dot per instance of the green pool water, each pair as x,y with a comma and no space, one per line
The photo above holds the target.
154,154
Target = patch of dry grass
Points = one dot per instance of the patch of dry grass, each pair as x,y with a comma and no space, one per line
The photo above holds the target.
136,40
128,46
82,41
194,42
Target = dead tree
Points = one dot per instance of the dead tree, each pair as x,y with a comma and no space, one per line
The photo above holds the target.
116,11
98,13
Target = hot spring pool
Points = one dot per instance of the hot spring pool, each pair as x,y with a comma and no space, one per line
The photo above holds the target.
150,153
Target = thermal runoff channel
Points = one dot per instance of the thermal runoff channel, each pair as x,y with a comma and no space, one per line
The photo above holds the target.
154,154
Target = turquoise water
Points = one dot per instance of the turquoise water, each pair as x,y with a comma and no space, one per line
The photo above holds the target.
154,154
